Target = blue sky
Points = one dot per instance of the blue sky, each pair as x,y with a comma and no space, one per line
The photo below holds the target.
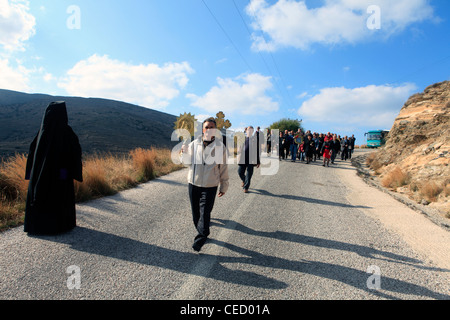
345,66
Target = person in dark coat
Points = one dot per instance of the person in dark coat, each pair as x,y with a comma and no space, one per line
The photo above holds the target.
54,161
249,156
310,147
344,148
281,146
336,148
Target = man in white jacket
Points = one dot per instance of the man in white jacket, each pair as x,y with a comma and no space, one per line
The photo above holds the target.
208,172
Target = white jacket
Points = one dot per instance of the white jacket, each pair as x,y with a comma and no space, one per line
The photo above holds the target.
207,165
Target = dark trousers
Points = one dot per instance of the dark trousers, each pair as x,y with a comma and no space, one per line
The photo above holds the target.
281,151
245,172
287,148
344,154
202,203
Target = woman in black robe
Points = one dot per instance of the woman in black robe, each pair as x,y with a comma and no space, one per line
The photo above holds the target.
54,161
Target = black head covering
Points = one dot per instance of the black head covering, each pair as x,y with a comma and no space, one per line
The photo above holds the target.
54,161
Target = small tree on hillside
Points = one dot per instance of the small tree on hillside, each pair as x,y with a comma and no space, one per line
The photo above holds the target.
287,124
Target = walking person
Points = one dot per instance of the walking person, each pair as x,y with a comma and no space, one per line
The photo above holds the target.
309,147
336,148
287,144
327,150
269,142
301,150
281,154
54,162
321,140
351,146
316,146
208,173
344,148
248,157
296,140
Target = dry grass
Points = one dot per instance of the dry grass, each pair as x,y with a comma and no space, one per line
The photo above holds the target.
103,175
13,191
11,214
395,178
447,190
373,162
144,163
431,190
13,185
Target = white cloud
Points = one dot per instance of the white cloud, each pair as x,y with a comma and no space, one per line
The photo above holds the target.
151,85
48,77
17,25
290,23
376,106
14,78
245,94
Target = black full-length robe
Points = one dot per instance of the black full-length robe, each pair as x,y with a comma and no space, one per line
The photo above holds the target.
54,161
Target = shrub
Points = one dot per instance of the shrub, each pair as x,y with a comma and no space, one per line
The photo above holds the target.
430,191
395,179
373,162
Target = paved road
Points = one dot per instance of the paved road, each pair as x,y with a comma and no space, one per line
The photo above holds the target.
294,236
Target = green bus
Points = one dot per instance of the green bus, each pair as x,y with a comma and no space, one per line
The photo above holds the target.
376,138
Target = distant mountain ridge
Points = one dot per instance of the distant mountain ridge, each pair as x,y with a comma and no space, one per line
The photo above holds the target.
103,126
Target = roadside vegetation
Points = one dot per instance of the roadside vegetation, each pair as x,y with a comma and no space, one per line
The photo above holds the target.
103,175
423,191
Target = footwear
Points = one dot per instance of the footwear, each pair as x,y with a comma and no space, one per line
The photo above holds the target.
245,190
243,183
197,247
198,243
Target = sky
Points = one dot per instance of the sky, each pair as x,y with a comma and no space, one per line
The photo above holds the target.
341,66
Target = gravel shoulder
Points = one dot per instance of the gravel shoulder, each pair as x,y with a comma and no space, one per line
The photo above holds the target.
422,228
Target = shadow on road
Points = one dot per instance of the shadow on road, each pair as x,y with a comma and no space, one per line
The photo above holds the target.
317,242
336,272
118,247
305,199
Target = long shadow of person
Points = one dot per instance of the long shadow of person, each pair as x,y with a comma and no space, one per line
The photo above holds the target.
309,200
118,247
363,251
126,249
352,277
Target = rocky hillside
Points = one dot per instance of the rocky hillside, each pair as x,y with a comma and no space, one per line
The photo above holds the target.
415,160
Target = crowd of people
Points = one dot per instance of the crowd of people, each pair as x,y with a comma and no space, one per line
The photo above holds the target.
310,147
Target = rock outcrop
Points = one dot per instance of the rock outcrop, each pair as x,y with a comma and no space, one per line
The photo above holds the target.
415,160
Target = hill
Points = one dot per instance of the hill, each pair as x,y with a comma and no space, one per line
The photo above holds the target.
415,160
102,125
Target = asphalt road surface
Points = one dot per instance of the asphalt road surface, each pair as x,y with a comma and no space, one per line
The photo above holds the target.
297,235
